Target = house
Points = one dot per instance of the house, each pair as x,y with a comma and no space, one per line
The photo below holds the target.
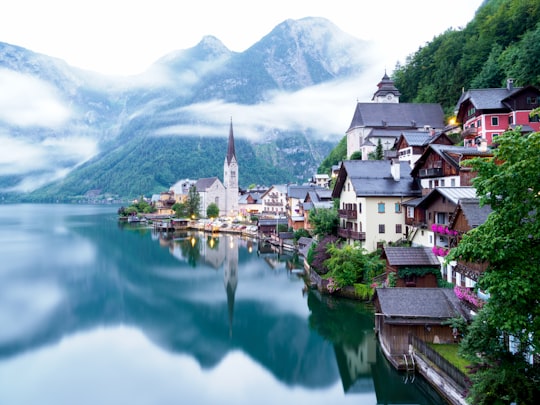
211,190
304,244
164,203
385,118
181,189
411,266
316,199
274,200
412,144
432,214
421,312
270,226
487,113
300,199
321,180
371,194
442,166
467,215
250,203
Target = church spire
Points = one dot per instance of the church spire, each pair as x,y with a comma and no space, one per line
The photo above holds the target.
231,153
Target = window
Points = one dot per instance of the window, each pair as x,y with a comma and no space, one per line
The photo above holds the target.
534,118
381,228
479,123
531,100
510,120
452,182
430,184
495,121
410,212
441,218
442,182
397,207
380,208
398,228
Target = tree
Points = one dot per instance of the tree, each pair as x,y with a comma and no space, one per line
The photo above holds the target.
325,221
509,241
193,202
180,210
357,155
212,211
349,264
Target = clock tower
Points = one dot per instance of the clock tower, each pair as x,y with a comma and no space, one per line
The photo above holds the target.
387,92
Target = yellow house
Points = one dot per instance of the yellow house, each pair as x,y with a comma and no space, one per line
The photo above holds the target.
371,194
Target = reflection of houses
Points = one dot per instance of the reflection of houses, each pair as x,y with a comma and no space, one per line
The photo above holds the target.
421,312
371,194
355,364
412,266
230,274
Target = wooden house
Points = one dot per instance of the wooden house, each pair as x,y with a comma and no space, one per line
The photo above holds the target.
468,214
421,312
412,266
487,113
411,144
442,166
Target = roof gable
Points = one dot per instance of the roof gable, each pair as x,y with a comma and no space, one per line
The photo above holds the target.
410,256
397,115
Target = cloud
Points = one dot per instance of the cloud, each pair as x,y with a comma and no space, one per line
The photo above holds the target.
324,110
44,161
27,101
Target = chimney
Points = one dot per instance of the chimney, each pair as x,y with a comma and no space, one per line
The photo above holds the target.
395,167
510,84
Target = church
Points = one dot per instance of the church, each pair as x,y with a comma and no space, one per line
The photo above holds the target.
384,119
224,195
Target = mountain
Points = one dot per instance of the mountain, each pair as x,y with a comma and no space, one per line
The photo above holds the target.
67,133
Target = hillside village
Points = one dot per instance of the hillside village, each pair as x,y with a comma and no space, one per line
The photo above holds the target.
413,205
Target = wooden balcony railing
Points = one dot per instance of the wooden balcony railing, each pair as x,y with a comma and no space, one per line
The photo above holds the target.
350,234
348,214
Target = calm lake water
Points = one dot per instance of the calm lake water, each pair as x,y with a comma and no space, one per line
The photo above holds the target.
95,313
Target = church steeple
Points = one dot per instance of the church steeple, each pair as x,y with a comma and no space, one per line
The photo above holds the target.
230,177
231,153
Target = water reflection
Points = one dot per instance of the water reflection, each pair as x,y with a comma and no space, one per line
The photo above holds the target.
83,299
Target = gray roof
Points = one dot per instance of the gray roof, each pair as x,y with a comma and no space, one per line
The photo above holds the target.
204,183
475,214
374,178
451,154
410,256
411,302
397,115
487,99
300,192
417,138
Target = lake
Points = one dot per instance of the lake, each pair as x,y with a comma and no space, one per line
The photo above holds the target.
95,312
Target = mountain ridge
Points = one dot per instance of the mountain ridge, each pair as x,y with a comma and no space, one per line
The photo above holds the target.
170,122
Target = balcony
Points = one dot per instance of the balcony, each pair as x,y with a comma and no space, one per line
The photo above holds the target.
433,172
350,234
348,214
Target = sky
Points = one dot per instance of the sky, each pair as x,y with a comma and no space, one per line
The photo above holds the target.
124,37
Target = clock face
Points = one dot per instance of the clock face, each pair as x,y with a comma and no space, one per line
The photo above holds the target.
389,96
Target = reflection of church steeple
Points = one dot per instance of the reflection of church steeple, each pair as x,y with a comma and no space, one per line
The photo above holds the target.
230,277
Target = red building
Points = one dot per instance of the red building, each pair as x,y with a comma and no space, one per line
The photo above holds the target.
487,113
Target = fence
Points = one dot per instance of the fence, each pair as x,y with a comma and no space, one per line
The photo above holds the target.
444,365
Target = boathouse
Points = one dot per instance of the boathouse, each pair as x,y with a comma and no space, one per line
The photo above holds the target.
421,312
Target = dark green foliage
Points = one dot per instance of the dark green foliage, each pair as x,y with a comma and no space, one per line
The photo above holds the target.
193,202
212,211
324,221
348,265
301,233
502,41
320,254
509,241
336,155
